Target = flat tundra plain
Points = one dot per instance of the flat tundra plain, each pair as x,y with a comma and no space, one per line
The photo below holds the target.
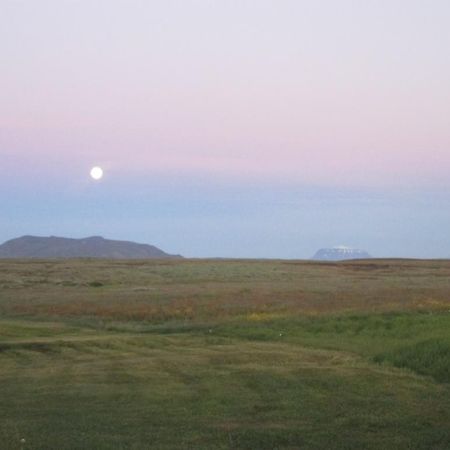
224,354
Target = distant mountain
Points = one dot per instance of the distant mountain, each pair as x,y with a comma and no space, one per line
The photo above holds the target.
91,247
340,253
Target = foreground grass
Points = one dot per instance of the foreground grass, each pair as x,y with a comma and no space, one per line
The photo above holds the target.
334,367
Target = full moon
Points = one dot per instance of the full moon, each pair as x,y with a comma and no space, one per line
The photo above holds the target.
96,173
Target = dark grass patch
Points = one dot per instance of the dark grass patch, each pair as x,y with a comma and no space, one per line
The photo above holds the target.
266,438
430,357
39,347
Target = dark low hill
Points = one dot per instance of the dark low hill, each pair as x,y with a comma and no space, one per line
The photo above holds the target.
91,247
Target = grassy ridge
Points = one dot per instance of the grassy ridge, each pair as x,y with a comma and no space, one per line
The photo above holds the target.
429,357
227,355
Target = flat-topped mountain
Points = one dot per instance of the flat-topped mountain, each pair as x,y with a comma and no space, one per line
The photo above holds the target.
90,247
340,253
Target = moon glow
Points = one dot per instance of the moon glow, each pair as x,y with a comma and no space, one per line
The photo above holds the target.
97,173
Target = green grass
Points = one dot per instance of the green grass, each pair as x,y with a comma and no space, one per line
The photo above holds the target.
428,357
226,355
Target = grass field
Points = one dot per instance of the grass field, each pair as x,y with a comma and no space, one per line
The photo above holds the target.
219,354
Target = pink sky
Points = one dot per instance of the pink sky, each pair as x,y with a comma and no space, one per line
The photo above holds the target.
319,92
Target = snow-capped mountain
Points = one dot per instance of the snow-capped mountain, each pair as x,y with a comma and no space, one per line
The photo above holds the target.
340,253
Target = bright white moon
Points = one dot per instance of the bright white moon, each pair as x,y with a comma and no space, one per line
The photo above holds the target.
96,173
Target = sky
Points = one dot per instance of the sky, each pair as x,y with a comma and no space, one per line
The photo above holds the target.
238,128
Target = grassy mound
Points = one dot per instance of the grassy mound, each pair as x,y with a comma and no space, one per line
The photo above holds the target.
430,357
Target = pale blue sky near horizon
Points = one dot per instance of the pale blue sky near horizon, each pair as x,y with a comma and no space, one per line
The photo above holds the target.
241,128
211,218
